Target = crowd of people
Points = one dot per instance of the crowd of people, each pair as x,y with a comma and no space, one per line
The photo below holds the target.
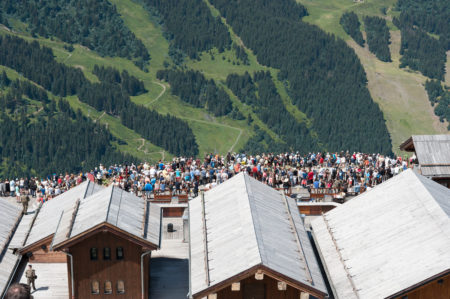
183,175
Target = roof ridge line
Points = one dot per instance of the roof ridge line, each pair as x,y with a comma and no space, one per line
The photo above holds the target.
74,215
297,239
120,203
109,204
205,239
349,277
246,180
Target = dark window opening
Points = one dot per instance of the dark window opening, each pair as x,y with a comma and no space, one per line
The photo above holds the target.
119,253
94,254
106,253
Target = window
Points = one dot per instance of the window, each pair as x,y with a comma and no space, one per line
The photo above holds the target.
106,253
108,287
94,254
119,253
95,287
120,287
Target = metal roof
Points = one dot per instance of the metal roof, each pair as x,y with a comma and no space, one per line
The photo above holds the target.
433,154
112,205
50,212
386,240
242,224
9,219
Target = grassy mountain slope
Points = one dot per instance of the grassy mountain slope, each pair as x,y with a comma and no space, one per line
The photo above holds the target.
399,92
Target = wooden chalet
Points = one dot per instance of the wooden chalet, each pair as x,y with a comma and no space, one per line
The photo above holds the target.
102,236
247,240
108,238
390,242
43,224
433,156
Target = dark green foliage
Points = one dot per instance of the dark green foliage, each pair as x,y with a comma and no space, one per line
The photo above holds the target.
95,24
434,90
378,37
3,20
4,80
38,64
436,94
190,26
262,95
421,51
324,76
349,21
241,54
430,15
193,88
261,142
132,85
61,141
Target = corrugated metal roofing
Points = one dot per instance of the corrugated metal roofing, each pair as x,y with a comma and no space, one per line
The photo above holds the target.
50,212
9,217
112,205
387,239
433,153
245,224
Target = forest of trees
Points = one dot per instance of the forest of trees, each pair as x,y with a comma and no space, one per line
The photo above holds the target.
324,76
132,85
59,139
190,26
378,37
38,65
350,23
241,54
440,96
95,24
420,50
261,94
193,88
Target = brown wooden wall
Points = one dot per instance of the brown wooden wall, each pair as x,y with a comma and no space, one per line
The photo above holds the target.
42,254
128,269
173,211
315,210
432,290
250,285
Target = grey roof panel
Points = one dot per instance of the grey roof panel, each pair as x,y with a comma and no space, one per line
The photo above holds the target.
50,212
387,239
9,217
111,205
433,153
248,224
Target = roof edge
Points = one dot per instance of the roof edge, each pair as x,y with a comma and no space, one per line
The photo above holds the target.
110,228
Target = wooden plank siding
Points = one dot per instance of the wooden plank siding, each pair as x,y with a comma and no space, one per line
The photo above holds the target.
41,253
251,286
436,289
86,270
315,210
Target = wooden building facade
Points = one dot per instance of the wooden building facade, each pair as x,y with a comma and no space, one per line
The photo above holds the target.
247,240
432,156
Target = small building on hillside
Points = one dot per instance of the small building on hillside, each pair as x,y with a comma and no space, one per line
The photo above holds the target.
108,237
390,242
247,240
432,156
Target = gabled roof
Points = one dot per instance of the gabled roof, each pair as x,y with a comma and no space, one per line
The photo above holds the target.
48,215
242,225
433,153
386,240
114,208
9,219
